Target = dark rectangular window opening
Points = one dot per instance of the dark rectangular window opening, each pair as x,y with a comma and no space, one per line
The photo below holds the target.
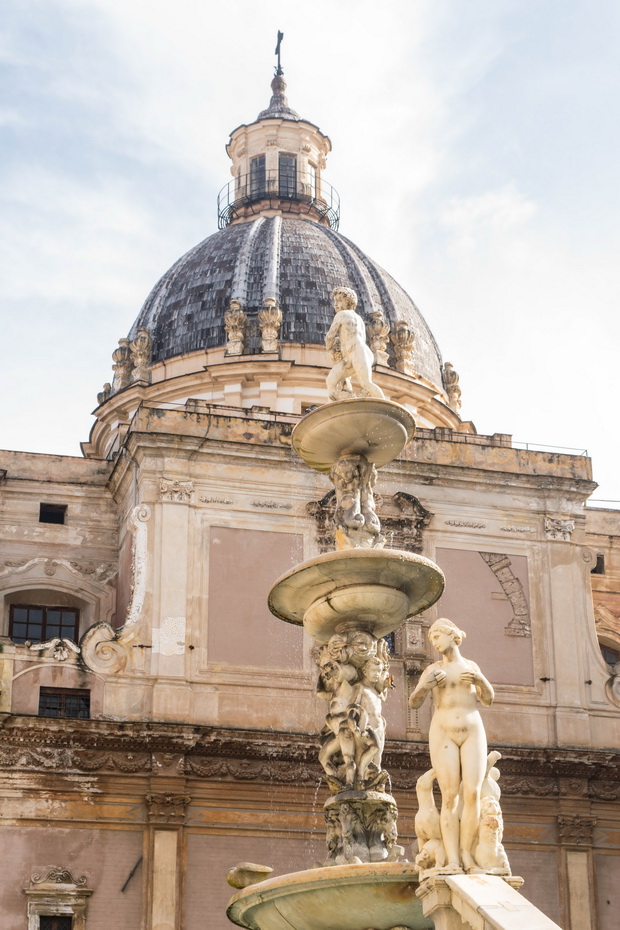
391,643
37,624
287,175
64,702
52,513
257,176
599,568
54,922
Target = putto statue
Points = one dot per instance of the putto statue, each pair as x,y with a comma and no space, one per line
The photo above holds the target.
346,343
354,677
467,835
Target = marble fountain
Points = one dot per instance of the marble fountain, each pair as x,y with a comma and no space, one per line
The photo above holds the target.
348,600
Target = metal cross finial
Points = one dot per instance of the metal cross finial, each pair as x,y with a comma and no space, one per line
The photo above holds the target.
280,37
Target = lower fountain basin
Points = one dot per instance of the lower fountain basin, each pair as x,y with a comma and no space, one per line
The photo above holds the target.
380,896
376,588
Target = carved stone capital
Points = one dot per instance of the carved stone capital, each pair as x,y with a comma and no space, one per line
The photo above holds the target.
180,492
559,529
575,829
167,808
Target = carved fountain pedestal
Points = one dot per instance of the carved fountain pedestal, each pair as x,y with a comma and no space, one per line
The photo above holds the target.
348,600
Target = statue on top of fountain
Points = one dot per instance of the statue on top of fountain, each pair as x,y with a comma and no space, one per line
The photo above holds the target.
346,343
467,835
354,677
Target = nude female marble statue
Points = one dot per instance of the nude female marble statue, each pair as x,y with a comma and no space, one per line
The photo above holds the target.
457,741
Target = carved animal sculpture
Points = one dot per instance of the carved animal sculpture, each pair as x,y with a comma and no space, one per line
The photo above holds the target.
489,852
427,825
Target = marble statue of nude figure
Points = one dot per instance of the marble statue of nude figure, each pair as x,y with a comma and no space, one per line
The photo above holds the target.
346,342
457,740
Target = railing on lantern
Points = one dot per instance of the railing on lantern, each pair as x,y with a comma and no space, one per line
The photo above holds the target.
243,194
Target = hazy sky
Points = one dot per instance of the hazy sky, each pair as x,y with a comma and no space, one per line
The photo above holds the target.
475,149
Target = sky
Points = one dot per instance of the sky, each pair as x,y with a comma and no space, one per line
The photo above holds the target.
475,150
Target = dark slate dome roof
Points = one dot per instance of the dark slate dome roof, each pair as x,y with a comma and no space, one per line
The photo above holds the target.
296,261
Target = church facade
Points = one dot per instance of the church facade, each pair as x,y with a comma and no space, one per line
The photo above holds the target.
158,724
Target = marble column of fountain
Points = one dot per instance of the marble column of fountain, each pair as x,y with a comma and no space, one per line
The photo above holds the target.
348,600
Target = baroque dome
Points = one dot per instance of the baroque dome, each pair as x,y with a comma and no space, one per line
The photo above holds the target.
295,260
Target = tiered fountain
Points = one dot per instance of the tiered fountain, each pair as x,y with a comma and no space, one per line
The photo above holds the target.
348,600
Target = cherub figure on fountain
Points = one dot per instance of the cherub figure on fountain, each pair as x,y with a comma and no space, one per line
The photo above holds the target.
354,677
346,343
458,750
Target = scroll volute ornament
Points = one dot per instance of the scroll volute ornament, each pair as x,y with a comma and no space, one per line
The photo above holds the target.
378,331
235,322
403,341
270,320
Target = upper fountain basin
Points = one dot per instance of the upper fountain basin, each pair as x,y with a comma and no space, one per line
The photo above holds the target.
369,426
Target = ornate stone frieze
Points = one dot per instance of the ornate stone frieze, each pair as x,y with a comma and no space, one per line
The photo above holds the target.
235,322
269,321
167,808
501,567
530,787
575,829
272,505
378,331
517,529
99,573
559,529
102,573
176,491
216,500
468,524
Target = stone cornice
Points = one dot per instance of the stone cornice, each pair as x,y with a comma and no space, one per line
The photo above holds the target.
36,744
